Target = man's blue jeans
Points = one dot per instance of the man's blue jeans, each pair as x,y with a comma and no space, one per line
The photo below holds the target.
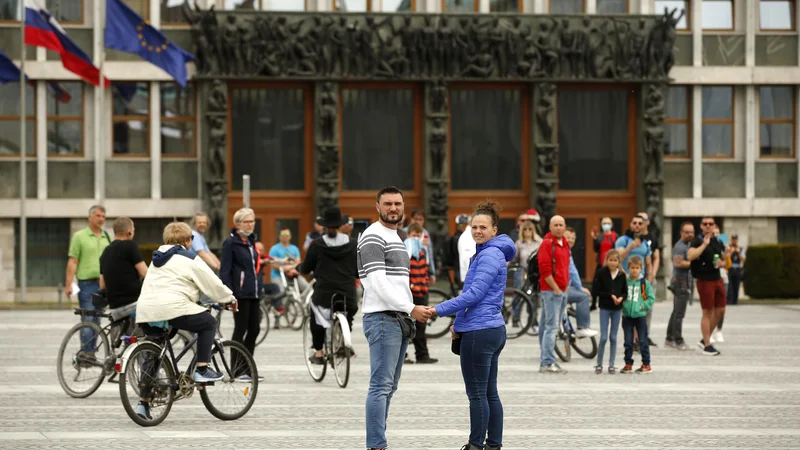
387,349
480,352
552,309
87,288
581,300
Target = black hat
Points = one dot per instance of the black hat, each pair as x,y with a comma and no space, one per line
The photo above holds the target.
332,218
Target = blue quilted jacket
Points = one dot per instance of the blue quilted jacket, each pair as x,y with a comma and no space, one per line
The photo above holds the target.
480,303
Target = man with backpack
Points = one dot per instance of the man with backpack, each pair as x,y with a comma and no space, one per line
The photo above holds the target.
450,254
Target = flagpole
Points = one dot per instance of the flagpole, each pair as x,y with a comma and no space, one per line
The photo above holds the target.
100,120
23,182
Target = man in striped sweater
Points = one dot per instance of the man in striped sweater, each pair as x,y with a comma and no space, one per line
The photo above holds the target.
383,267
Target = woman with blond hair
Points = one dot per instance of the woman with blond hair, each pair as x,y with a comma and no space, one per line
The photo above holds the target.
238,271
527,244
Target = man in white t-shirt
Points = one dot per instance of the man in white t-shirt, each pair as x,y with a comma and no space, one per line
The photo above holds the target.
466,250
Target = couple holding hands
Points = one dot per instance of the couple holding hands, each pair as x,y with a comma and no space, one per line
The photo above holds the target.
479,329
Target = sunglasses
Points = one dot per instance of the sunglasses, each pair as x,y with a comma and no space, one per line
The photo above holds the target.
350,222
286,234
707,224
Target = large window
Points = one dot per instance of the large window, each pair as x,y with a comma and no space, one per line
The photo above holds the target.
718,15
612,6
718,121
566,6
178,119
682,6
776,15
378,138
776,121
268,137
789,230
66,11
486,139
48,245
677,122
9,10
460,6
505,6
65,122
131,119
9,120
593,140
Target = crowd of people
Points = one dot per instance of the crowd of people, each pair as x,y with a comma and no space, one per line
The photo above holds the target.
395,266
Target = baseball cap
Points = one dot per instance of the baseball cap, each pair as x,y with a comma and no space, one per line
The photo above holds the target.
462,219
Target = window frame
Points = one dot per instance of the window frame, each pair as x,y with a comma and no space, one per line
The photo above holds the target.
259,7
520,7
687,121
730,121
792,18
687,7
792,121
180,119
70,22
81,119
146,15
627,8
28,117
126,118
583,7
733,17
443,4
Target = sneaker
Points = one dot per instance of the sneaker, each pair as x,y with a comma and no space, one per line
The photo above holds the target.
586,332
701,344
535,330
598,370
314,359
612,370
427,361
644,369
469,446
627,369
552,368
651,343
671,344
143,411
85,359
206,375
408,360
248,379
682,346
716,337
710,351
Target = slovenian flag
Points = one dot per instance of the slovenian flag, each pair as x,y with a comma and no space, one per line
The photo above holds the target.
10,72
42,30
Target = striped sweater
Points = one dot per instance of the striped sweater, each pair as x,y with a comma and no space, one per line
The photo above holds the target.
383,264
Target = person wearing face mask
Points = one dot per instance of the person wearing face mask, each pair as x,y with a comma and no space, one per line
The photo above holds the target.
238,271
603,243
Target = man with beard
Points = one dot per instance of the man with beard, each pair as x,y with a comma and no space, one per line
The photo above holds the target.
383,266
632,243
199,244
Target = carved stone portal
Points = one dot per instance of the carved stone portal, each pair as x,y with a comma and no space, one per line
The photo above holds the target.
437,117
546,150
214,168
653,153
327,139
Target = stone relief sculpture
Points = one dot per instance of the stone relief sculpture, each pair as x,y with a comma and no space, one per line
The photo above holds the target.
215,167
437,117
385,46
546,150
653,124
327,159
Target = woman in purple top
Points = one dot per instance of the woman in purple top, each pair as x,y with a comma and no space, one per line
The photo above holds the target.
480,328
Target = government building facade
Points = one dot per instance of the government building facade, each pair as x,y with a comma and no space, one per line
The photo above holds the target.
584,108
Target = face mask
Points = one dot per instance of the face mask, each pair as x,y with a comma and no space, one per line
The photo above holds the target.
606,226
246,233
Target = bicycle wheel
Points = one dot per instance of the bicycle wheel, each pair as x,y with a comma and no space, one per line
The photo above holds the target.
231,397
293,314
264,323
150,376
302,315
438,326
317,371
518,313
340,354
82,366
563,349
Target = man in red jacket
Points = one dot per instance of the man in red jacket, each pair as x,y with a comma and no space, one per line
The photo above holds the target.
553,280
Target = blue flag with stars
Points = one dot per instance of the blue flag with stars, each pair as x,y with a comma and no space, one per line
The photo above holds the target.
127,32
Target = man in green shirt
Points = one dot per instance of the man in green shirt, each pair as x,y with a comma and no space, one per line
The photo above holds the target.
85,249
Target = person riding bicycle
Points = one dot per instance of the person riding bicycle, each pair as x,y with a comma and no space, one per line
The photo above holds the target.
333,259
170,292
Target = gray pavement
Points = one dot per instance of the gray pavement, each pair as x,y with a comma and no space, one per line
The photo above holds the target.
749,397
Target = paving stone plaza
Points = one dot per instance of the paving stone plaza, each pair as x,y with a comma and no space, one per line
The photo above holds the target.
749,397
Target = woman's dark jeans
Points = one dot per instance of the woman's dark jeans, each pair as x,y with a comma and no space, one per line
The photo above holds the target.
480,351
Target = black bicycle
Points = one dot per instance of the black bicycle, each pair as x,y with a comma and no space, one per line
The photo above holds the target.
149,371
440,326
567,337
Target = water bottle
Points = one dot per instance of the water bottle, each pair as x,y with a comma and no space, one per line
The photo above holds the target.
716,258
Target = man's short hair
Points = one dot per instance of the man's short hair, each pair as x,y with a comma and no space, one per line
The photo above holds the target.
418,212
635,261
570,230
197,216
122,225
177,233
414,228
284,229
242,213
683,225
98,208
389,190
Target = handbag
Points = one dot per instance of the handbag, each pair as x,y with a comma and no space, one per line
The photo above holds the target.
455,346
408,327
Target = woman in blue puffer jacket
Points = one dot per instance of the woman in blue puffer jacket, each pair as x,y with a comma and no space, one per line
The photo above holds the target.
479,322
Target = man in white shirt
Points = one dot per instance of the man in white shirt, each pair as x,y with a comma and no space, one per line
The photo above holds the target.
466,250
383,267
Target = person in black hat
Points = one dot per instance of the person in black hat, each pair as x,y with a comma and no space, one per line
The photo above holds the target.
332,258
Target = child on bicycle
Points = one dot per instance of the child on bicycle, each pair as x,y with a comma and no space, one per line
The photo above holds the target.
634,309
419,277
611,287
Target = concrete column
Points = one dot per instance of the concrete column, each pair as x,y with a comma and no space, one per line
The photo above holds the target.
483,6
40,130
539,6
750,142
697,141
697,33
591,6
644,7
99,123
155,140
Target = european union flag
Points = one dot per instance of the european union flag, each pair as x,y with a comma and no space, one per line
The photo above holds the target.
127,32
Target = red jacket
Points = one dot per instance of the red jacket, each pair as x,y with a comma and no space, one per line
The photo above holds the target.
545,257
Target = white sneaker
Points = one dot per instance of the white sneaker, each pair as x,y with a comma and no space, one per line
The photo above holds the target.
586,332
716,336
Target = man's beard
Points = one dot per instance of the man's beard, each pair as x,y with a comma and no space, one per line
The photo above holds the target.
391,222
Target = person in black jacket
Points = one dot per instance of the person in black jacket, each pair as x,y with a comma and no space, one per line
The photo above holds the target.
611,287
333,260
238,272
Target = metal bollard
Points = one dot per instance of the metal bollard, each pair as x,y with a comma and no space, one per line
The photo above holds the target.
60,295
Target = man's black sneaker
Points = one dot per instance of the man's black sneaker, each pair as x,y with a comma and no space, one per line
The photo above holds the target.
710,351
652,344
427,361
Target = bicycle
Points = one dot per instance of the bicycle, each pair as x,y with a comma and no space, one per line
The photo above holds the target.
338,345
100,351
567,338
440,326
149,369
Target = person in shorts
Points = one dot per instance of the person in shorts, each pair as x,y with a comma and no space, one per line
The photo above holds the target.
707,256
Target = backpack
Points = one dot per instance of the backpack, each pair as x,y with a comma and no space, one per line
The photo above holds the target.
533,264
